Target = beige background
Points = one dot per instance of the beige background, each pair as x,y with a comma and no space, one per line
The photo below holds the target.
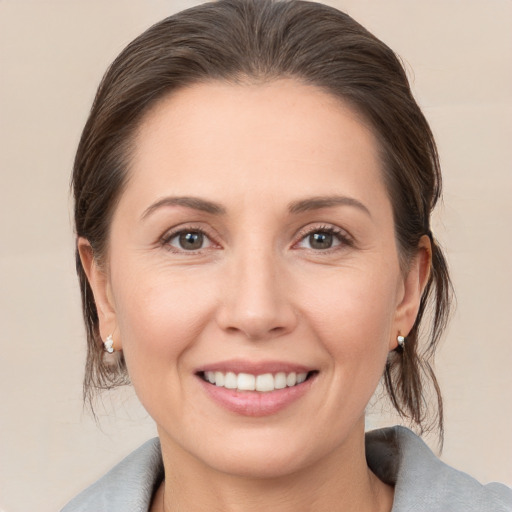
52,55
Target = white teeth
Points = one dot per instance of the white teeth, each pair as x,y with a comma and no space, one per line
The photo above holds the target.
291,379
301,377
230,381
265,382
280,380
219,378
246,382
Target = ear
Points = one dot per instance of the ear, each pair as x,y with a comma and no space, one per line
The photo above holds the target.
100,286
414,283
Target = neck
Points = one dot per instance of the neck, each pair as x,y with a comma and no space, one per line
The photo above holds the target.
341,481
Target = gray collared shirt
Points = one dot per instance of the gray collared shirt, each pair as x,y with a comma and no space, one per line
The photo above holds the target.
396,455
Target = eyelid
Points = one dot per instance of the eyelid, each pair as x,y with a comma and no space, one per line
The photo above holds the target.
343,236
171,233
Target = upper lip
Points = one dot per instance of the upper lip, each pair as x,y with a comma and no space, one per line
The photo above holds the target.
254,367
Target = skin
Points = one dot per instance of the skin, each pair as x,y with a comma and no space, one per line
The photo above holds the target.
257,290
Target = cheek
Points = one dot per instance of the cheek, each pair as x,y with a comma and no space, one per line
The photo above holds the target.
352,320
354,317
159,318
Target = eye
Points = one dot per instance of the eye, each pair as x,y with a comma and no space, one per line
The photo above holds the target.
189,240
322,239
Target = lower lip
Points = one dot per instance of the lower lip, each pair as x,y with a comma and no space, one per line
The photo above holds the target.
256,403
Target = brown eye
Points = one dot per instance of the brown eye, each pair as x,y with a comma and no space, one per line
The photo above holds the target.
189,241
321,240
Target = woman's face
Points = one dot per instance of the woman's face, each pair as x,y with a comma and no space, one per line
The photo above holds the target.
254,246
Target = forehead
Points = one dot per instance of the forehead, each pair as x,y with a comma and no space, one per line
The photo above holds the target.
254,138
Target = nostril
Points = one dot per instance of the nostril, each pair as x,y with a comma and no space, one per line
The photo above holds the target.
256,307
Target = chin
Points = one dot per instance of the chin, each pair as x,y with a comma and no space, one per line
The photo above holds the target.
259,464
266,454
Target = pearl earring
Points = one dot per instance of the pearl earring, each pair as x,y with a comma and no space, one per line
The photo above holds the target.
401,341
108,344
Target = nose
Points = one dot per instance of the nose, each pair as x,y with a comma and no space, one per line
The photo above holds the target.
255,302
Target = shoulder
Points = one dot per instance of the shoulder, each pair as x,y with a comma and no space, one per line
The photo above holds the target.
425,483
128,487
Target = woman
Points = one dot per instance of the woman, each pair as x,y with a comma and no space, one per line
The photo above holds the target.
253,191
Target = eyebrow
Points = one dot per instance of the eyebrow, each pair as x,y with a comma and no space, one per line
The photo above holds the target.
316,203
189,202
300,206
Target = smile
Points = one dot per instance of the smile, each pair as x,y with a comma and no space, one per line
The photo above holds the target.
256,389
263,383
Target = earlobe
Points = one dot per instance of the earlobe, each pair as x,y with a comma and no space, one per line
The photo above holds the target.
100,286
413,285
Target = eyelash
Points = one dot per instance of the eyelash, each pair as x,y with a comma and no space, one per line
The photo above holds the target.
166,239
340,234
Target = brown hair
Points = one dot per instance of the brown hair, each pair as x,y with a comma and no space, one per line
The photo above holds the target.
240,40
